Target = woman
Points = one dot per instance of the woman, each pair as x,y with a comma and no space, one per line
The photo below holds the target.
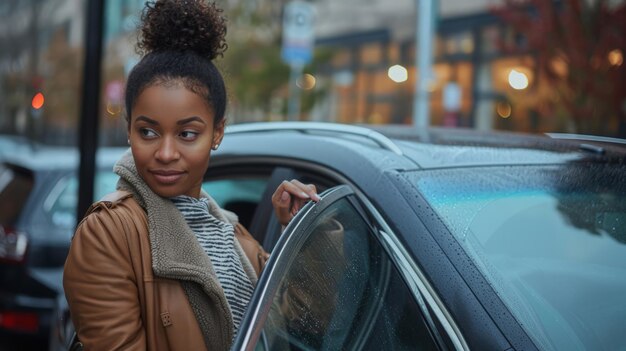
158,265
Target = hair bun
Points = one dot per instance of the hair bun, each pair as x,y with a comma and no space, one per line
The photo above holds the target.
183,25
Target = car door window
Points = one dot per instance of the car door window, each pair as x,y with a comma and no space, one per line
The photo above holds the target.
332,286
247,188
228,191
240,196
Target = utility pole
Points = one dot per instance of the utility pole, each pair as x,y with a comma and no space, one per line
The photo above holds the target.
293,107
90,106
297,49
423,61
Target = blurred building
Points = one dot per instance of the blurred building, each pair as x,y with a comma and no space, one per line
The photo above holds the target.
367,75
552,66
469,75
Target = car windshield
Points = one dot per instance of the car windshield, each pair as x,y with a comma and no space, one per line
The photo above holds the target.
551,240
62,200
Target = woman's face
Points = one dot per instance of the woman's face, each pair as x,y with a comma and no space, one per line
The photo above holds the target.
171,134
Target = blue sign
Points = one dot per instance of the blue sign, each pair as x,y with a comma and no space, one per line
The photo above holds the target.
298,33
294,54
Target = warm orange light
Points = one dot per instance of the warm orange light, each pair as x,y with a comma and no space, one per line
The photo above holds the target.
616,58
503,109
113,109
306,81
38,101
559,66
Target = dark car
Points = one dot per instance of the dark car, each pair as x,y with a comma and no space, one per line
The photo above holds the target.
430,239
38,194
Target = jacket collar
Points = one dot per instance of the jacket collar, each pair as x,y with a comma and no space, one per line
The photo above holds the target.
176,253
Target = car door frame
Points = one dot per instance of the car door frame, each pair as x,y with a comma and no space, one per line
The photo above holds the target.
439,322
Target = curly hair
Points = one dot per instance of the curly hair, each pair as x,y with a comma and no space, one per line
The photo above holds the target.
181,25
178,41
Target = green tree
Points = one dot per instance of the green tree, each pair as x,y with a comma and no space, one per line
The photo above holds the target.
256,77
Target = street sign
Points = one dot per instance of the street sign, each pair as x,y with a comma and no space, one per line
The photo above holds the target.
298,33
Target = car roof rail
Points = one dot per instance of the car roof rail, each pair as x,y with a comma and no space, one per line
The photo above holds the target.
585,137
304,127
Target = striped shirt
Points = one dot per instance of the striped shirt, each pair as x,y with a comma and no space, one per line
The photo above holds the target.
217,238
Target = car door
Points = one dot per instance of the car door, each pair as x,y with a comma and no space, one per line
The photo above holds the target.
330,284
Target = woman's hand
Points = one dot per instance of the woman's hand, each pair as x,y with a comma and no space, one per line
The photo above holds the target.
290,197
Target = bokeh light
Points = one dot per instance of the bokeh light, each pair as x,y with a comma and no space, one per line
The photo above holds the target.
503,109
306,81
616,58
518,80
113,109
37,101
398,73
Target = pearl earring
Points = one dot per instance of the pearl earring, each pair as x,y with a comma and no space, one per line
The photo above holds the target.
216,146
128,141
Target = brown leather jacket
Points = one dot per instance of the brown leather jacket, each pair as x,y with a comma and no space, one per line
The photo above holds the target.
128,290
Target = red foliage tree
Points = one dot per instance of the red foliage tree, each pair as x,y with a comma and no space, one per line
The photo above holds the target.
579,48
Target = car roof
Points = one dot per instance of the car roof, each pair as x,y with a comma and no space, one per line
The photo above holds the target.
370,148
381,148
